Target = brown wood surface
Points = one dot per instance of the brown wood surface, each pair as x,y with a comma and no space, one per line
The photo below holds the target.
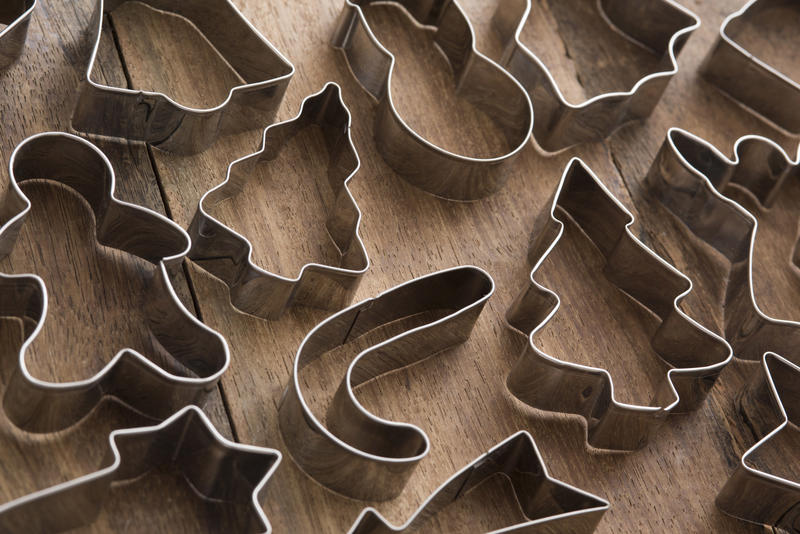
458,397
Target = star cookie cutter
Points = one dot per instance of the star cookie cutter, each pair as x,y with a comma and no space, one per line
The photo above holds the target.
217,470
16,16
478,79
694,354
749,80
661,26
41,406
155,118
361,455
228,255
750,493
549,505
689,177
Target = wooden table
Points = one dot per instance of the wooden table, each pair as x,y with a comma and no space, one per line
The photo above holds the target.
459,397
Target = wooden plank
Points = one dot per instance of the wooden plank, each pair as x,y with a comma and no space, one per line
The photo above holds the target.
459,397
94,292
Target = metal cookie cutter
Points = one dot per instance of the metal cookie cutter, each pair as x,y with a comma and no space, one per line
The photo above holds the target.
661,26
228,255
159,120
549,505
747,79
200,354
689,176
360,455
695,355
217,470
750,493
16,16
478,79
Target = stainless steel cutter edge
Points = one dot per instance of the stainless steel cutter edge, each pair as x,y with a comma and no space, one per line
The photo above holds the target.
752,494
156,118
12,37
561,124
750,81
432,168
47,511
693,195
364,456
40,406
277,292
549,383
574,510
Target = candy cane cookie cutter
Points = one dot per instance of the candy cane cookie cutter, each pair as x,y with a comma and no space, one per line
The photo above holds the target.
356,453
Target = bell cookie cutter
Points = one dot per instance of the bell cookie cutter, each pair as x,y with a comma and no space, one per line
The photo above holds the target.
156,118
749,80
358,454
16,16
478,79
750,493
40,406
228,255
549,505
661,26
694,354
217,469
689,176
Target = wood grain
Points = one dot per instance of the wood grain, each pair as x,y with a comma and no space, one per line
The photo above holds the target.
459,397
